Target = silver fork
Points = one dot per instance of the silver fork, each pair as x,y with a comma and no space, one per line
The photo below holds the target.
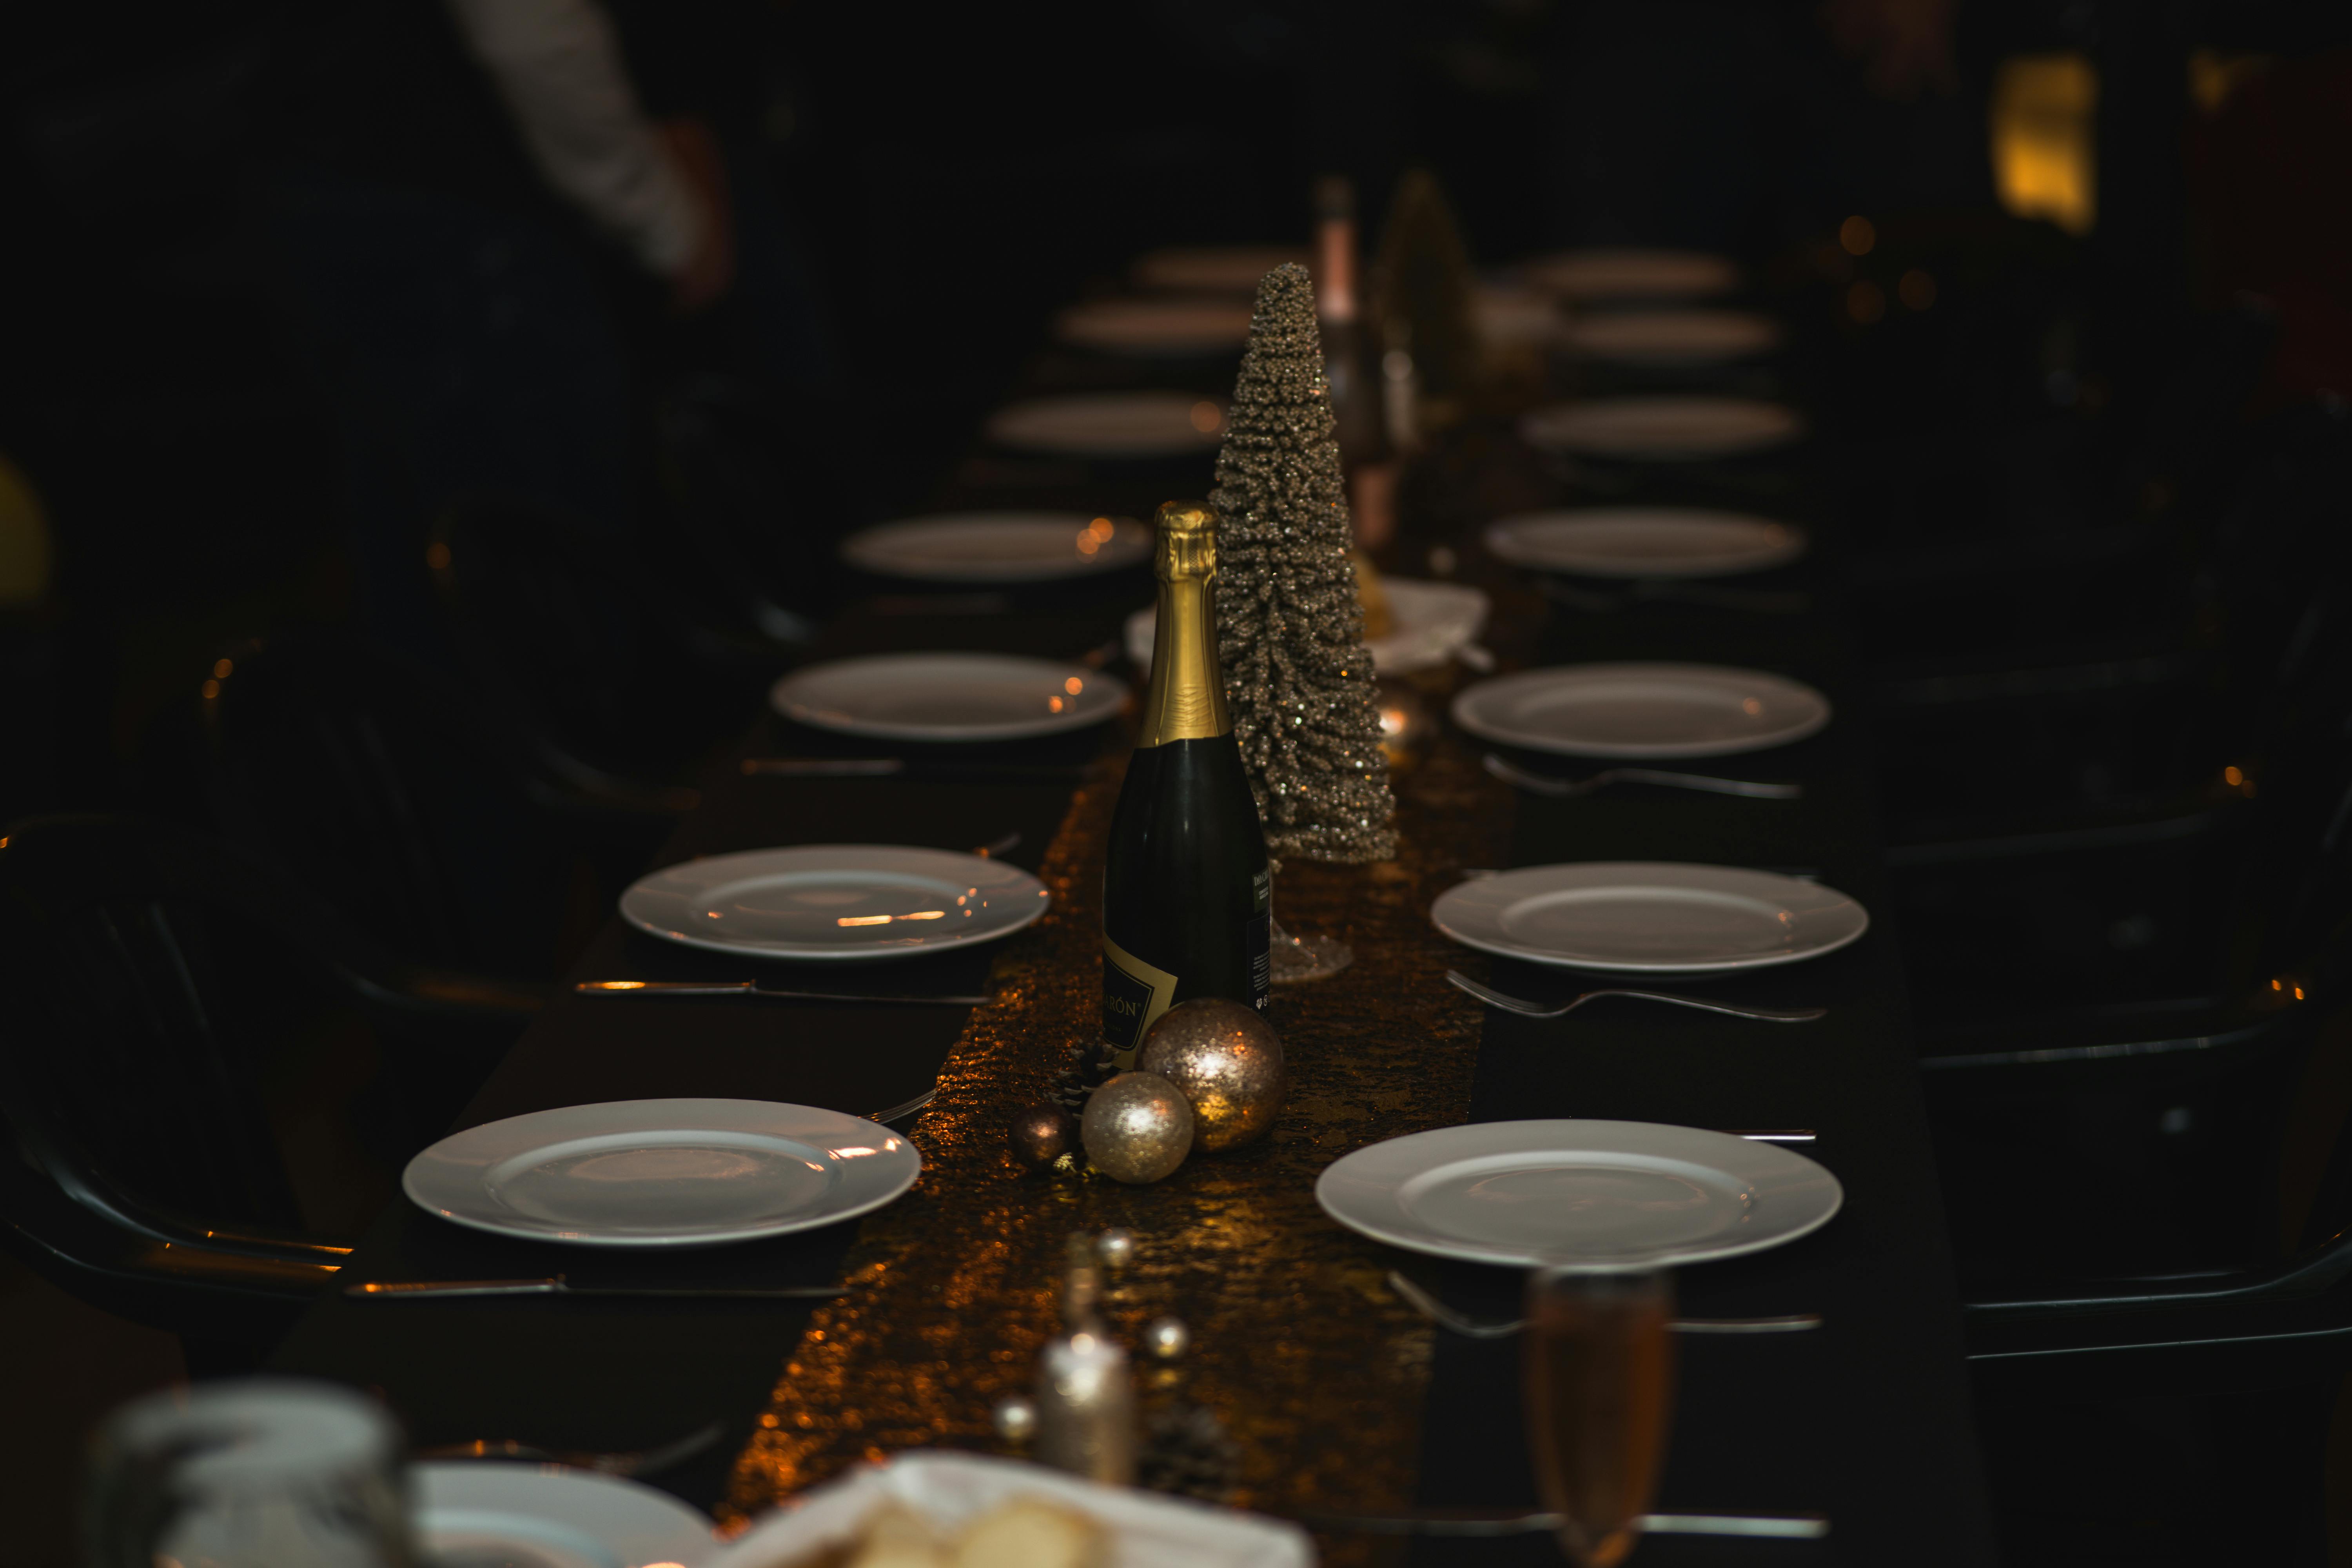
1472,1328
1526,1009
630,1462
1552,788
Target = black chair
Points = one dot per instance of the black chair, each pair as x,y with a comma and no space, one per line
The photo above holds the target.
2117,729
160,991
391,791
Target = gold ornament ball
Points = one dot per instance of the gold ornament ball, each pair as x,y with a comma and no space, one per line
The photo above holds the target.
1227,1060
1040,1134
1137,1128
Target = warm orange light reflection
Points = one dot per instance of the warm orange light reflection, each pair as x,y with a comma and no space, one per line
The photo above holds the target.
2234,777
1102,528
221,668
1073,685
2044,159
1054,704
925,915
1857,234
618,986
861,919
1208,418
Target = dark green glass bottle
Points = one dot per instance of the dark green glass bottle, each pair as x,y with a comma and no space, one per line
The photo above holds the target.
1186,895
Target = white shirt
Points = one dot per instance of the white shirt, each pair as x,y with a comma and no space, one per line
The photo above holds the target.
558,67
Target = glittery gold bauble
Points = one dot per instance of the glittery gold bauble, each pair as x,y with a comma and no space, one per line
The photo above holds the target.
1227,1060
1040,1134
1137,1128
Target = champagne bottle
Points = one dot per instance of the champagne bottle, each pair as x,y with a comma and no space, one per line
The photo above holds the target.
1186,894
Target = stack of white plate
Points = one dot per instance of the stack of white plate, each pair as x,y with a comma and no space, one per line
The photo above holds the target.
1111,425
1631,274
1636,711
1662,428
1172,326
999,546
1639,917
948,697
1432,623
662,1174
477,1515
1673,337
1598,1195
1636,541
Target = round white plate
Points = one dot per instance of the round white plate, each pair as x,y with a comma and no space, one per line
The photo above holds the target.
1432,622
1619,1194
948,696
481,1514
1227,268
1663,429
1112,425
1636,711
1645,542
834,902
1515,316
662,1173
1649,917
1674,337
1158,326
1634,274
999,546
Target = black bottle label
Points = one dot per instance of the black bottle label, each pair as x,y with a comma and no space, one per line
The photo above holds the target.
1134,995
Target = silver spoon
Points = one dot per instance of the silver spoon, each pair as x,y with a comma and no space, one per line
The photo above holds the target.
1446,1317
1526,1009
1552,788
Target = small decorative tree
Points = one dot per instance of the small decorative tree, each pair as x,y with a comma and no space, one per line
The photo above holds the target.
1290,628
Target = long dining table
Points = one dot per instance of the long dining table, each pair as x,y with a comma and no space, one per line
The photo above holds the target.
1338,1397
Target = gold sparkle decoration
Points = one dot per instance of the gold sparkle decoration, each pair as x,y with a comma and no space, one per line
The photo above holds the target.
1312,1365
1138,1127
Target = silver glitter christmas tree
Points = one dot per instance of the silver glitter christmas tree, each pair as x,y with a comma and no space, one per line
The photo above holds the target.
1290,629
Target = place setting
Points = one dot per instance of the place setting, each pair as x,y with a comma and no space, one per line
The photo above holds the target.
1603,559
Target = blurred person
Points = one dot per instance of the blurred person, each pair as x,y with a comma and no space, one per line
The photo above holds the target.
478,221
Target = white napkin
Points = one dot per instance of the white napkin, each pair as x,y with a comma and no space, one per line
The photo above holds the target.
1147,1529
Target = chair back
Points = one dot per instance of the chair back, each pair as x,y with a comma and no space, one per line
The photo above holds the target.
149,986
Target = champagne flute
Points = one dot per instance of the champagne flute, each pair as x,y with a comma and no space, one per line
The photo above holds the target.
1598,1369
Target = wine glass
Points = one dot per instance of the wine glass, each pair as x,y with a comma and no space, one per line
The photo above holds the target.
258,1473
1597,1367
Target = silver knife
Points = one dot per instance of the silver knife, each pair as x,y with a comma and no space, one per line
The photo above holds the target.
556,1285
753,988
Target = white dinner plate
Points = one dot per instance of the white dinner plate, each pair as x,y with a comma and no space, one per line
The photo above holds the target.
1640,710
999,546
1227,268
1515,316
1172,326
1430,622
1624,1195
662,1173
948,696
1663,428
478,1514
1626,274
1645,542
834,902
1649,917
1673,337
1112,425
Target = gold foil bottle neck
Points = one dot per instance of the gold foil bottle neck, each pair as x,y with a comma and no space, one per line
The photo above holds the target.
1186,699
